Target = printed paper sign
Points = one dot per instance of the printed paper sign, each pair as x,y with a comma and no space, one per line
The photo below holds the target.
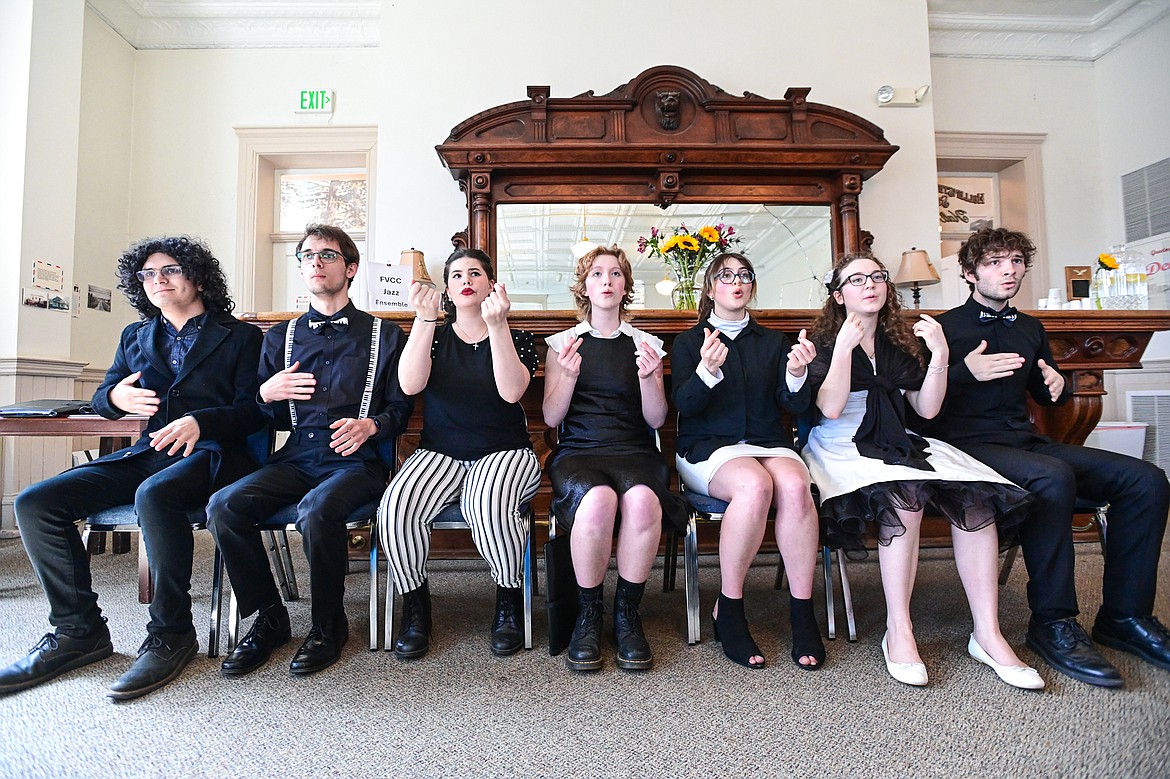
389,286
46,275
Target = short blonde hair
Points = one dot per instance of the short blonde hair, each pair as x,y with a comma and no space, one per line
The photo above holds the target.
584,306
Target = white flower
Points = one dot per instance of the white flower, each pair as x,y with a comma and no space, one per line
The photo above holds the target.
828,279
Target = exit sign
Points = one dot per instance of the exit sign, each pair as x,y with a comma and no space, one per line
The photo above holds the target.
315,101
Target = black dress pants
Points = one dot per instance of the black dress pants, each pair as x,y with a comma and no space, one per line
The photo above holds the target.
1057,474
164,490
327,489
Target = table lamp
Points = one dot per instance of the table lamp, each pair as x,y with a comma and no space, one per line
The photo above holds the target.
916,272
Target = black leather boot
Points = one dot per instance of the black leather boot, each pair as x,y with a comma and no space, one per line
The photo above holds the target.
414,632
508,632
633,651
322,647
584,653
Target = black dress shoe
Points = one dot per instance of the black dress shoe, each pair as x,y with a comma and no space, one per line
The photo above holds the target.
508,632
414,633
269,631
1145,637
584,652
53,655
633,650
322,648
161,658
1064,645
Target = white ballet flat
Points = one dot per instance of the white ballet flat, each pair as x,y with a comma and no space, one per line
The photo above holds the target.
1022,676
913,674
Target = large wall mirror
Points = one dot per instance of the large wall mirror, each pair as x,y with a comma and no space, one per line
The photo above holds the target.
666,149
790,247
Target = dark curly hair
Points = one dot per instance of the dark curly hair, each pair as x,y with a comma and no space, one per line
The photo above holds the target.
890,320
458,254
199,267
993,240
706,296
584,305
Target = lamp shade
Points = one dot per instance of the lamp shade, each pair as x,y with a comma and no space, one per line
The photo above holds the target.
414,259
916,268
582,247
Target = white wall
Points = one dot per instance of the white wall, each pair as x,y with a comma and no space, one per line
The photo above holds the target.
998,96
103,183
185,156
15,50
460,57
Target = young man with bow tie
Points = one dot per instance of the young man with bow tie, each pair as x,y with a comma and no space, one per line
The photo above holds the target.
998,357
188,366
330,377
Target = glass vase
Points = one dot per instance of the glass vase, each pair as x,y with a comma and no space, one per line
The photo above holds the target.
685,295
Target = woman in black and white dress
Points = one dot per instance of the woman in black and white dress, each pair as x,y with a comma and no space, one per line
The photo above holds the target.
869,469
472,372
733,378
604,392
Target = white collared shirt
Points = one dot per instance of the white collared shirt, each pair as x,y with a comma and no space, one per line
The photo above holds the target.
641,338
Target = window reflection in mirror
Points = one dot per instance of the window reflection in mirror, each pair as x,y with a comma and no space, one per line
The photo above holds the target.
789,245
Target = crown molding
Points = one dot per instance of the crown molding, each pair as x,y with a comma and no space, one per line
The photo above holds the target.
1069,37
242,24
40,366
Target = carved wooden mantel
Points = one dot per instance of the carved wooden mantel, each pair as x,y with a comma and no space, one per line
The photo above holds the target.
667,136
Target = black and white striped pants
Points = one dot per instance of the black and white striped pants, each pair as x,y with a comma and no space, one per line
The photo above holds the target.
490,491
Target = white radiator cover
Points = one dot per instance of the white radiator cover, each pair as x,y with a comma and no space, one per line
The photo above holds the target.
1153,408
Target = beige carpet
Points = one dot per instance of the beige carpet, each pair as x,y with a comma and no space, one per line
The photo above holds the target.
461,712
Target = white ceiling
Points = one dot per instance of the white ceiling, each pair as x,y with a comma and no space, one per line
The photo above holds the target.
1079,30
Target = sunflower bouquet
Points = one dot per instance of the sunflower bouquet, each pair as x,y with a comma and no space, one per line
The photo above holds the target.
686,254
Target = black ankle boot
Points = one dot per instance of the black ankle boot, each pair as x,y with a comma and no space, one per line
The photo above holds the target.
633,651
584,653
508,633
414,634
806,634
731,629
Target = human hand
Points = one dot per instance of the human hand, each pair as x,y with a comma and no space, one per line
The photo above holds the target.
183,434
495,306
986,367
134,400
424,299
1052,380
569,360
350,434
649,361
850,334
713,352
288,384
929,330
801,354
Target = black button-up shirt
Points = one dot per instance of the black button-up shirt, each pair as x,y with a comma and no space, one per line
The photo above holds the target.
339,362
176,344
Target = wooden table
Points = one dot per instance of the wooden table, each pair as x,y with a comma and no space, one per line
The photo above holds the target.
114,434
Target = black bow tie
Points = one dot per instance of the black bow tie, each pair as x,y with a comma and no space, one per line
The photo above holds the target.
338,323
1007,316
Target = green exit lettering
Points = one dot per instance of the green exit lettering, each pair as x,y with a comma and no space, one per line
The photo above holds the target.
316,100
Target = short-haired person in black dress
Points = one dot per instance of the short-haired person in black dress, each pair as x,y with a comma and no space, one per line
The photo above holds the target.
604,391
475,449
733,378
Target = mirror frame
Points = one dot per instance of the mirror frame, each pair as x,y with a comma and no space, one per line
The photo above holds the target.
667,136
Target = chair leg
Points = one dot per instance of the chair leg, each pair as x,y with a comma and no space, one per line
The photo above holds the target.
277,561
529,578
691,580
388,610
1008,561
216,604
145,583
847,596
287,570
233,630
373,589
830,601
1102,516
670,561
781,575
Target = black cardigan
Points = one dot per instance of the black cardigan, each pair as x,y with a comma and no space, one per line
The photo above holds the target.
746,405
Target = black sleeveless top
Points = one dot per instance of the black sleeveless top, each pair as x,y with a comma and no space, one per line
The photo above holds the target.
606,409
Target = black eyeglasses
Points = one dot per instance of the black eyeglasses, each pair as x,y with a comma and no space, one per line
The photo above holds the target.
166,270
858,279
327,256
728,276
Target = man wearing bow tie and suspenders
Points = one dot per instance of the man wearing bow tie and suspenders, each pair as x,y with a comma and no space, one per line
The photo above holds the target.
330,377
998,357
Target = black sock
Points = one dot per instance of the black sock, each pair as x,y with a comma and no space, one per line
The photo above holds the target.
632,591
590,594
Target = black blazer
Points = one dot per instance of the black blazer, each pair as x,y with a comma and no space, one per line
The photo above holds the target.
217,387
746,405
